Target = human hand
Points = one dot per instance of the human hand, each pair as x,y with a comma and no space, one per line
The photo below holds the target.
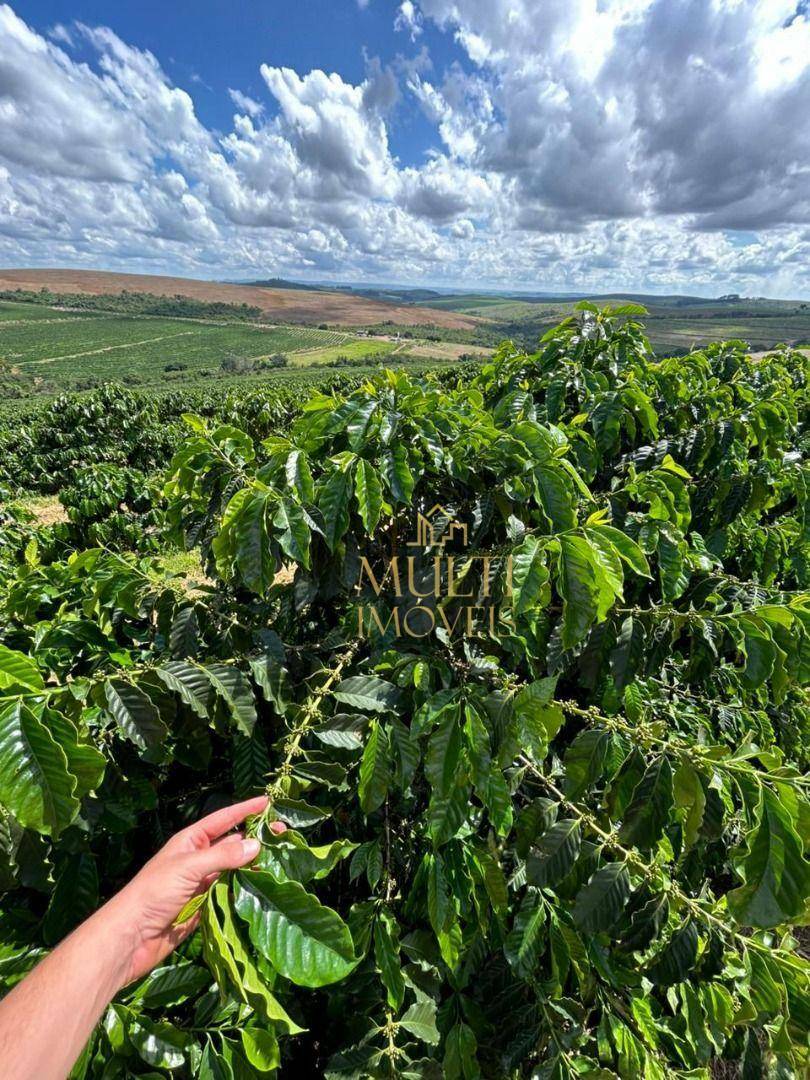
142,914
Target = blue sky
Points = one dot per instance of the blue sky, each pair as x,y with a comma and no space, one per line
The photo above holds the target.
209,46
602,144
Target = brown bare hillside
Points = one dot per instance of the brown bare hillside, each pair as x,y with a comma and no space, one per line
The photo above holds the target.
284,305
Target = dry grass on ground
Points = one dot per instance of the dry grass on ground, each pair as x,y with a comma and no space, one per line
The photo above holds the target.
284,305
446,350
46,509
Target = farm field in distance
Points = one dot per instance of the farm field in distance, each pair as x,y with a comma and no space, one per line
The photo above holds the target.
67,350
285,305
674,324
51,342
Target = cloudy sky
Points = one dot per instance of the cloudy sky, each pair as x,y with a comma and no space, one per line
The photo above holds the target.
552,144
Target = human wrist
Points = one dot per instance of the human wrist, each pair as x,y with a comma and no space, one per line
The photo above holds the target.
112,935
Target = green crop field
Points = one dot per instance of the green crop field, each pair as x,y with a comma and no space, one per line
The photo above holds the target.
760,331
471,305
352,349
64,349
47,349
673,323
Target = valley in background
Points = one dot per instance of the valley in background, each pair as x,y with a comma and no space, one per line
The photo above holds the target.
73,330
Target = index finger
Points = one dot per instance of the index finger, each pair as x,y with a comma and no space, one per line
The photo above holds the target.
221,821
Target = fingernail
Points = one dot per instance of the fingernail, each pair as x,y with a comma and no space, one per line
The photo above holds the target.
277,827
250,848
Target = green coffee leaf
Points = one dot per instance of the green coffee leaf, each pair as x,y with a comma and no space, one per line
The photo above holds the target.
368,492
172,984
289,857
444,753
599,903
386,953
627,549
292,532
677,958
251,542
18,670
460,1047
333,502
530,575
190,682
775,870
160,1044
554,853
261,1049
368,692
35,784
648,813
375,769
420,1020
306,942
233,687
578,585
524,941
135,714
585,760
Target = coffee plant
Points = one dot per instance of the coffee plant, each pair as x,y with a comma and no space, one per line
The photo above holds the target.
111,506
44,445
521,662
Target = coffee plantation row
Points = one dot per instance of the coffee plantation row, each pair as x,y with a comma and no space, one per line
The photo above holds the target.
45,444
521,660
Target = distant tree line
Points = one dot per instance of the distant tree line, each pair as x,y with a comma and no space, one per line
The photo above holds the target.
486,334
249,365
131,303
388,359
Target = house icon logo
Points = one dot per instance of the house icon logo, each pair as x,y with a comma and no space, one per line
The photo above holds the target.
436,527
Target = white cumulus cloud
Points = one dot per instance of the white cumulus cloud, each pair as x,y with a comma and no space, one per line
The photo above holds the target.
408,19
246,104
574,144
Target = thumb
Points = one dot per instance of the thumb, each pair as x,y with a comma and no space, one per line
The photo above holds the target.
228,854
